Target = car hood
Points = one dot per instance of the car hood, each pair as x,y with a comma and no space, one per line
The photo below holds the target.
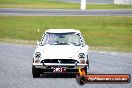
59,51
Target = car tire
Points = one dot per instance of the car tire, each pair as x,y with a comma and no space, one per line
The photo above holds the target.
81,80
35,72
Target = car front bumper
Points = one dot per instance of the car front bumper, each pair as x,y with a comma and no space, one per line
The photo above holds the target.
44,65
49,67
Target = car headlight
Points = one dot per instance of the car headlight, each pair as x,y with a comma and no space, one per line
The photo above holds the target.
81,56
37,57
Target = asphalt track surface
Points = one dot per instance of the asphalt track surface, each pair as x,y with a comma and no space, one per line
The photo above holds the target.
63,12
16,63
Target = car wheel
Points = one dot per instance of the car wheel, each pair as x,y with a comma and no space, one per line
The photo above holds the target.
80,79
35,72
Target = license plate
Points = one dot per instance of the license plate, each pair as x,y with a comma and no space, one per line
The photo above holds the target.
59,69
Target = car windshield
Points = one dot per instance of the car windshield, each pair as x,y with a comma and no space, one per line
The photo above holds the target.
61,39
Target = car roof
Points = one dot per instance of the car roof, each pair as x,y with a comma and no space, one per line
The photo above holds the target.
61,31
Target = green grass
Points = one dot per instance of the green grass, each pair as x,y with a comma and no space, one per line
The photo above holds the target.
36,4
103,33
51,4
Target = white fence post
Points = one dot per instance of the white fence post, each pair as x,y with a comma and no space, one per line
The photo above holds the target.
83,4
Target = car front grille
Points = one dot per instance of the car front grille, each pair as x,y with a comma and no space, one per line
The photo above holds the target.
70,61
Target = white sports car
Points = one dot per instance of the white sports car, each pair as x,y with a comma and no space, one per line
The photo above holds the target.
60,51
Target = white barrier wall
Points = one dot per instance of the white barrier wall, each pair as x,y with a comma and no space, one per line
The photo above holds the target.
123,2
